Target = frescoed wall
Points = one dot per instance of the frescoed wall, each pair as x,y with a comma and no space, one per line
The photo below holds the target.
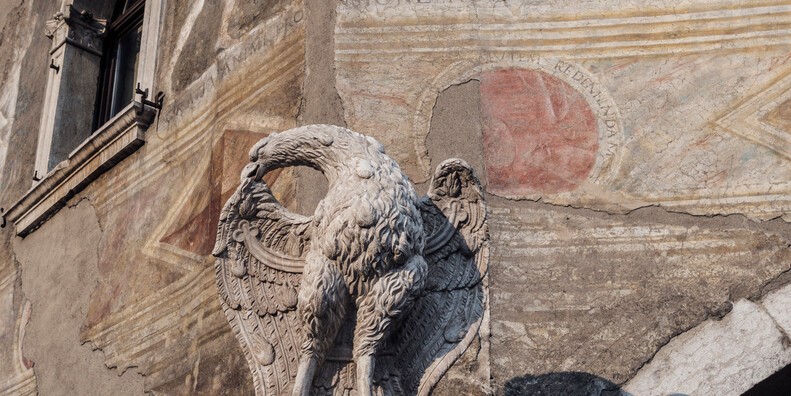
635,156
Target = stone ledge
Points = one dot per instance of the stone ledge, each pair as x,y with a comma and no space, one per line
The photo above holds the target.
725,357
114,141
778,305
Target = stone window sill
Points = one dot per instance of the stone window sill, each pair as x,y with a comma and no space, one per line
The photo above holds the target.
114,141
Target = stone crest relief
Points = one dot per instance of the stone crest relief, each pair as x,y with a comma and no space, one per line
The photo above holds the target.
378,292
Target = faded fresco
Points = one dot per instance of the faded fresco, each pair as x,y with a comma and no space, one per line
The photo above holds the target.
230,78
635,158
585,113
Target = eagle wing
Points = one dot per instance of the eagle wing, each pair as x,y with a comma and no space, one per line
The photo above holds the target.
260,252
446,318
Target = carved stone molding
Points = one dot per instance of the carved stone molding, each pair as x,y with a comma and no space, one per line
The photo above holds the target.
378,292
116,140
72,66
77,28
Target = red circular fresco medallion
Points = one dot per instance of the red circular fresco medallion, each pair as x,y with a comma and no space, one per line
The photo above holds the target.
539,133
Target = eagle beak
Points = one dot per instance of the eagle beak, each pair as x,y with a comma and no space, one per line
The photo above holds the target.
255,171
250,170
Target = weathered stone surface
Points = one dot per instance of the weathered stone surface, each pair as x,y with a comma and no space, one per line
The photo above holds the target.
598,294
778,305
723,357
63,365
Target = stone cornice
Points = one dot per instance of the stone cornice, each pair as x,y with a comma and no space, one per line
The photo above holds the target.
117,139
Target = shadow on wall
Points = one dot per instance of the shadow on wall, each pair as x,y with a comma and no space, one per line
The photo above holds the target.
565,384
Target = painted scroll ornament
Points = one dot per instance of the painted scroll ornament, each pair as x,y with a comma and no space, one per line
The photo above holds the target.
379,292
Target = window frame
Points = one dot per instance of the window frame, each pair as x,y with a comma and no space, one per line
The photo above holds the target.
76,37
118,27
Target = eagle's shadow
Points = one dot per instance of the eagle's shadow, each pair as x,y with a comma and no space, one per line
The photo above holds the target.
562,383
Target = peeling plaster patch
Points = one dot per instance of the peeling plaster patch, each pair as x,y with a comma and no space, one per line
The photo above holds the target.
198,51
58,280
184,34
724,357
248,14
456,119
321,102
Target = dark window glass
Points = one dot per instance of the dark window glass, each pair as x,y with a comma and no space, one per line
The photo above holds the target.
127,51
120,62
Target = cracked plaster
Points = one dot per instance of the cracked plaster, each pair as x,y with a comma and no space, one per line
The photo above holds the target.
602,279
58,281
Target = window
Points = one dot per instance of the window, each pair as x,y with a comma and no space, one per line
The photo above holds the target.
121,59
93,114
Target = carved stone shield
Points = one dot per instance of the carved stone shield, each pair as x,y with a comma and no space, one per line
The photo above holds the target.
261,254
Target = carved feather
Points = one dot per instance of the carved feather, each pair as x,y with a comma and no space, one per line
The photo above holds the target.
260,251
446,319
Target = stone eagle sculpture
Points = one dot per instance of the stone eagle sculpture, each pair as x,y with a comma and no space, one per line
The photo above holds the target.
379,292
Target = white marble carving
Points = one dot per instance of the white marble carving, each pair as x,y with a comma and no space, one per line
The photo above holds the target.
379,292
